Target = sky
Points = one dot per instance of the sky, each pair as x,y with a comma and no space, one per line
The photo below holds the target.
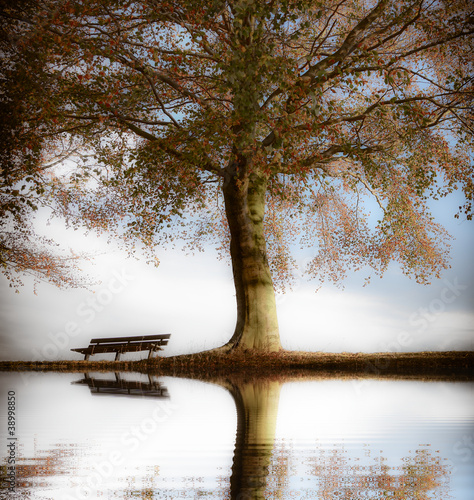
193,299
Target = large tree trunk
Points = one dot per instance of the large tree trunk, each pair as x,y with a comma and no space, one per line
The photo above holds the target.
257,324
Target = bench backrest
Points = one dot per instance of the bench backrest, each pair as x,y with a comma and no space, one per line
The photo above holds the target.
162,337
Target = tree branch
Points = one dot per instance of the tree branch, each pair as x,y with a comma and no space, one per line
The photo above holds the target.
349,44
163,144
328,155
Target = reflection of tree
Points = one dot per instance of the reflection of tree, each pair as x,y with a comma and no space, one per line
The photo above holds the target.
334,475
139,488
37,471
259,471
261,468
257,407
421,476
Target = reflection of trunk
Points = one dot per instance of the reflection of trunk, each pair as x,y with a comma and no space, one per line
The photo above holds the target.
257,324
257,408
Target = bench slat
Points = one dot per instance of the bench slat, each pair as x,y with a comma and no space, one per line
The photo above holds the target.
131,339
145,345
142,346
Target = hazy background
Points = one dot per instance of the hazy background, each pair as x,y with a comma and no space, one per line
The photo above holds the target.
192,297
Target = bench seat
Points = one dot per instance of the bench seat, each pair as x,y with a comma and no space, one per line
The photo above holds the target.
120,345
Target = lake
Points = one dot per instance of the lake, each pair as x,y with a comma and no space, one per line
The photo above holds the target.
130,435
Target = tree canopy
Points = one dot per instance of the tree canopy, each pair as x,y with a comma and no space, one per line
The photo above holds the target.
257,123
26,156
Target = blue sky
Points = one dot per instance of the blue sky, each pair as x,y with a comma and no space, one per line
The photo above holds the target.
192,297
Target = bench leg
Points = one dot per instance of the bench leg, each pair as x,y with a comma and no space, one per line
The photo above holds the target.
117,356
86,357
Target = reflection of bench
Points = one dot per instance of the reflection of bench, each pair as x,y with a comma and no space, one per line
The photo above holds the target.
122,387
119,345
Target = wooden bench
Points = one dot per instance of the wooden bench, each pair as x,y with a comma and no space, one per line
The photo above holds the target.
120,345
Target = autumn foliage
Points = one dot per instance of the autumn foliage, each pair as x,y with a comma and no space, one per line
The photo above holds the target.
27,155
259,124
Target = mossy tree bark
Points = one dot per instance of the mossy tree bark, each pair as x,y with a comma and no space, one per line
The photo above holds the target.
257,323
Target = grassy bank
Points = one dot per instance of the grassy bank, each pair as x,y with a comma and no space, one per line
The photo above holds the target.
456,365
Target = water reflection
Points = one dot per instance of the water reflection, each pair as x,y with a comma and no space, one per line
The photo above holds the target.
123,387
38,472
334,475
423,475
256,402
310,440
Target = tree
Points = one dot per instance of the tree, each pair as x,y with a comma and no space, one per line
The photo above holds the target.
25,159
256,121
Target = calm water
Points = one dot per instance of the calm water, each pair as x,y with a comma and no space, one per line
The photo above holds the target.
124,436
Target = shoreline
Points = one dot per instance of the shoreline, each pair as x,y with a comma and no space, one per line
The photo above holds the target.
446,365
